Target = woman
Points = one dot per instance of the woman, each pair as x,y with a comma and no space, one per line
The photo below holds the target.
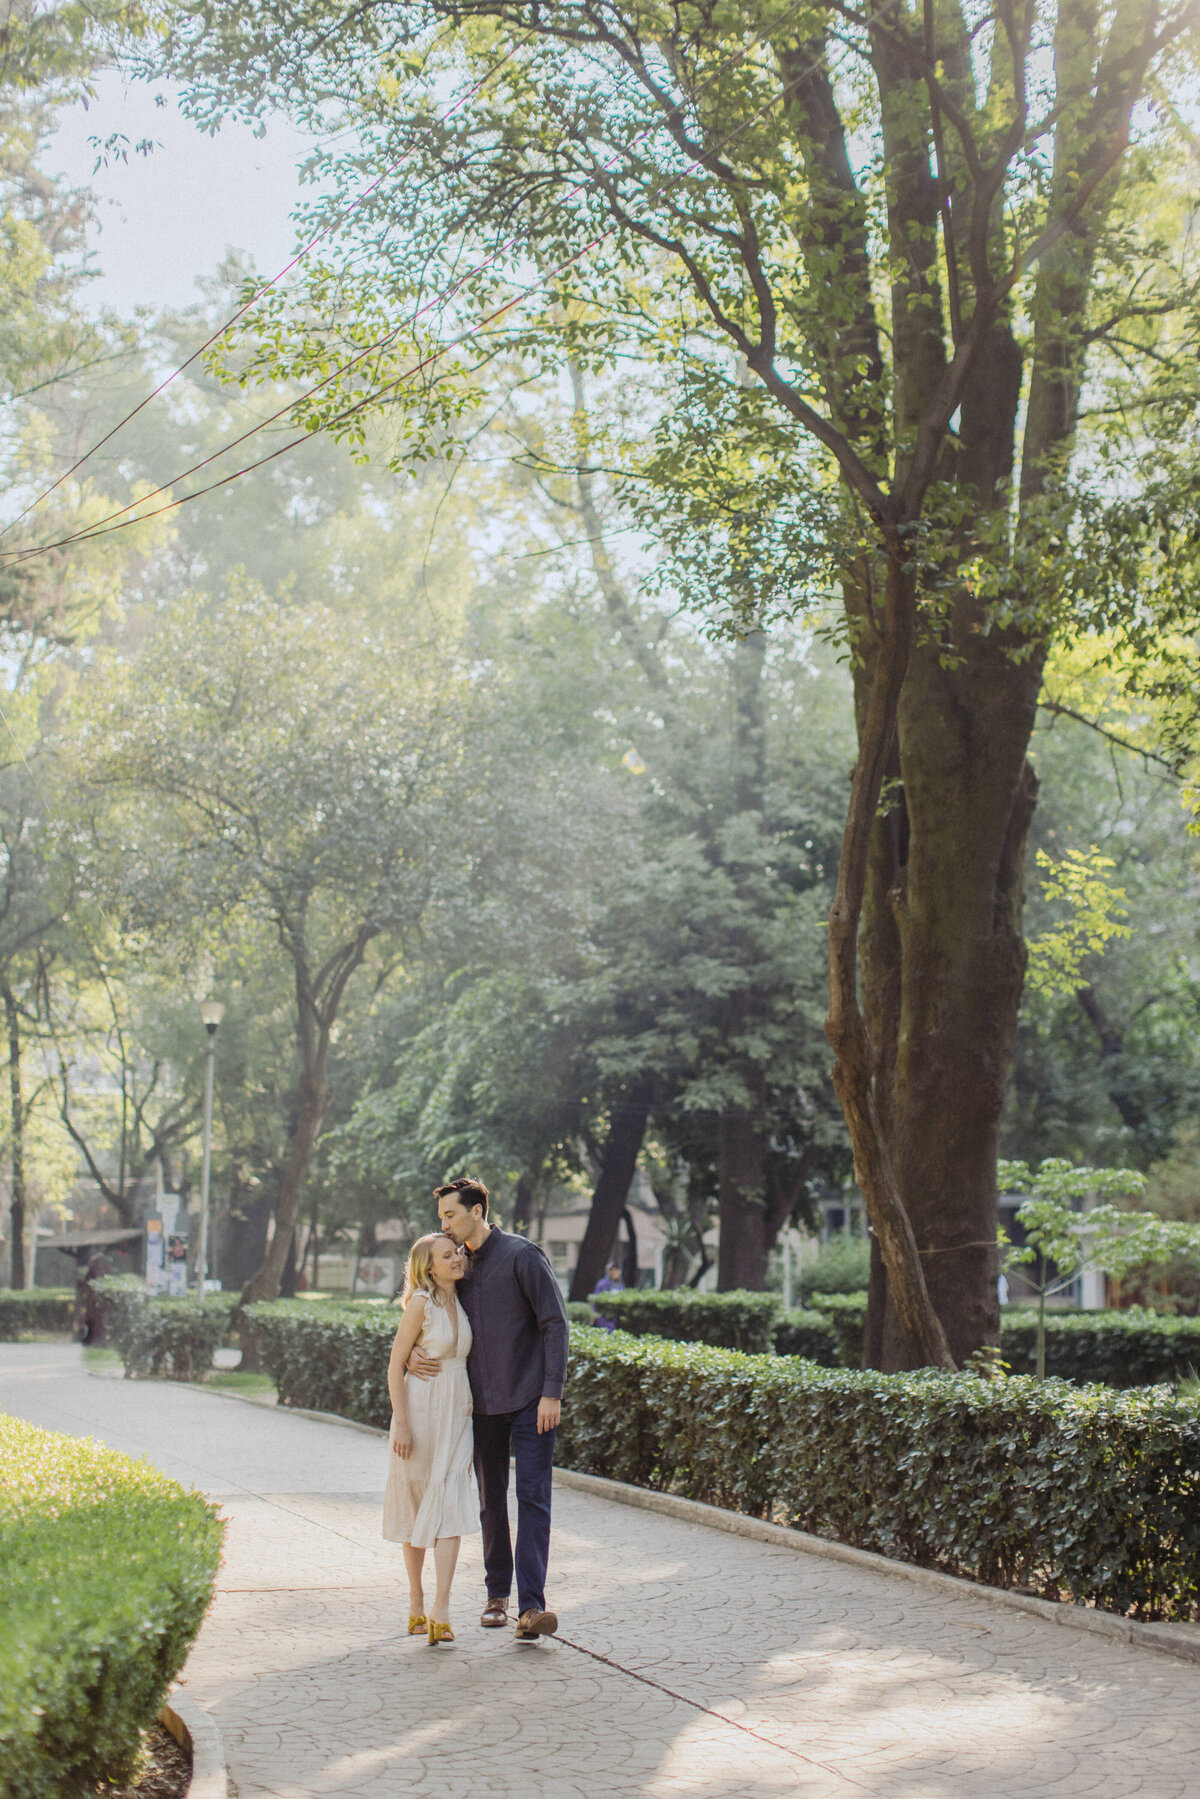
430,1500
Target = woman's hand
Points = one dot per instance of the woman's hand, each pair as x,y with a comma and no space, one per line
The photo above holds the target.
402,1439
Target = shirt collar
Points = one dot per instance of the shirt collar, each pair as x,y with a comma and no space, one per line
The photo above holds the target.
476,1254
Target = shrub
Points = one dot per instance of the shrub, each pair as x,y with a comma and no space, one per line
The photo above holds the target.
843,1265
328,1358
810,1334
580,1312
42,1309
107,1569
847,1312
1079,1494
728,1320
158,1336
1123,1349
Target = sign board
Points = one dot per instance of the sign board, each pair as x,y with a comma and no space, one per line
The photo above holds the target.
375,1277
174,1278
155,1255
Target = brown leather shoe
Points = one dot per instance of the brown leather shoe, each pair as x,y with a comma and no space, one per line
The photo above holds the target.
495,1614
532,1625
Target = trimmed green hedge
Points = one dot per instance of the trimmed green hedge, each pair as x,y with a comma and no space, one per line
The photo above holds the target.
737,1320
847,1312
158,1336
813,1335
107,1569
1077,1494
40,1309
1122,1349
830,1331
842,1265
328,1358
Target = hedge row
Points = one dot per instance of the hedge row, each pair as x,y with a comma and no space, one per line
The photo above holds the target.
1123,1349
107,1569
1079,1494
828,1331
328,1359
737,1320
160,1336
40,1309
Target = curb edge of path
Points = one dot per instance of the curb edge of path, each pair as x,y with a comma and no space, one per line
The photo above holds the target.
1182,1641
1179,1640
195,1729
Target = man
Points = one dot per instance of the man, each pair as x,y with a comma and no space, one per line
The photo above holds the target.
517,1367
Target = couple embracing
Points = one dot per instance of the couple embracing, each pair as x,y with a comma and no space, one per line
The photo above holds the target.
476,1375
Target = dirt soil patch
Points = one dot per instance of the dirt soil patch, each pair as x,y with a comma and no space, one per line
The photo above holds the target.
167,1773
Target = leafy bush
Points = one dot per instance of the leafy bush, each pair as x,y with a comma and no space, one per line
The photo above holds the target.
810,1334
328,1358
847,1312
736,1320
579,1312
107,1569
843,1265
158,1336
1079,1494
1123,1349
42,1309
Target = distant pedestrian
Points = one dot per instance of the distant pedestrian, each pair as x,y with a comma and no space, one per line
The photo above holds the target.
90,1321
610,1282
517,1367
430,1500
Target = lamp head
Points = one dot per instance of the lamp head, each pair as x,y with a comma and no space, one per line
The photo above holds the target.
212,1011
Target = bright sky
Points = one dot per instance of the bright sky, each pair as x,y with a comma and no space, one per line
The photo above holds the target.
169,217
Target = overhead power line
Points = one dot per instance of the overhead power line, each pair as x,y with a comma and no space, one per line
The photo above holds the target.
117,521
339,219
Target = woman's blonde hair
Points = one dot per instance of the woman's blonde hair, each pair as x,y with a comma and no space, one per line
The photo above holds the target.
418,1275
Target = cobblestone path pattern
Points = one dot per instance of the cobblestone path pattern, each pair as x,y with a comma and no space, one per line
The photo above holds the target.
692,1662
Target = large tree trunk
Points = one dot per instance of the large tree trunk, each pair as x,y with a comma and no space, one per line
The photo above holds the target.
266,1283
742,1175
522,1216
969,795
625,1137
244,1236
310,1115
17,1105
854,1069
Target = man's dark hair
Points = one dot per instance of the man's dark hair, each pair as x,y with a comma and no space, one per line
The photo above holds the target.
468,1192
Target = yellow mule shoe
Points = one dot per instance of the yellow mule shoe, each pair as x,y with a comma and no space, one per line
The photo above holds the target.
439,1633
417,1625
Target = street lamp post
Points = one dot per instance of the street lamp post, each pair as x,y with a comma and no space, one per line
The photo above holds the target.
212,1012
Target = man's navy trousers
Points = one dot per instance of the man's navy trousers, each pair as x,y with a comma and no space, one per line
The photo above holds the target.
497,1435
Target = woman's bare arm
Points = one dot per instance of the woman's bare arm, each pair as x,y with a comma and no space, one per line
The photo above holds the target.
406,1336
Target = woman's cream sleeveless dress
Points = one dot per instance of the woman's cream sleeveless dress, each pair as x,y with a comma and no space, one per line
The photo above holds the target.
432,1494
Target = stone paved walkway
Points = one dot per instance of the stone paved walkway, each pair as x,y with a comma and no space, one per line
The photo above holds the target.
691,1662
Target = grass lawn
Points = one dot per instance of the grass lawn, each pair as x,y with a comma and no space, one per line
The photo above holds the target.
225,1380
231,1380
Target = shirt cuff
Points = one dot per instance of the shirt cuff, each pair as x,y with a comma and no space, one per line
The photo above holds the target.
552,1389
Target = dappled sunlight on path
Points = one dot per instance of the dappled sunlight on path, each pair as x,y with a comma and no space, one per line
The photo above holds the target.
691,1662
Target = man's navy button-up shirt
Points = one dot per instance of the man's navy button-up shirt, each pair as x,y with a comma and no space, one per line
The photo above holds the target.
519,1325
